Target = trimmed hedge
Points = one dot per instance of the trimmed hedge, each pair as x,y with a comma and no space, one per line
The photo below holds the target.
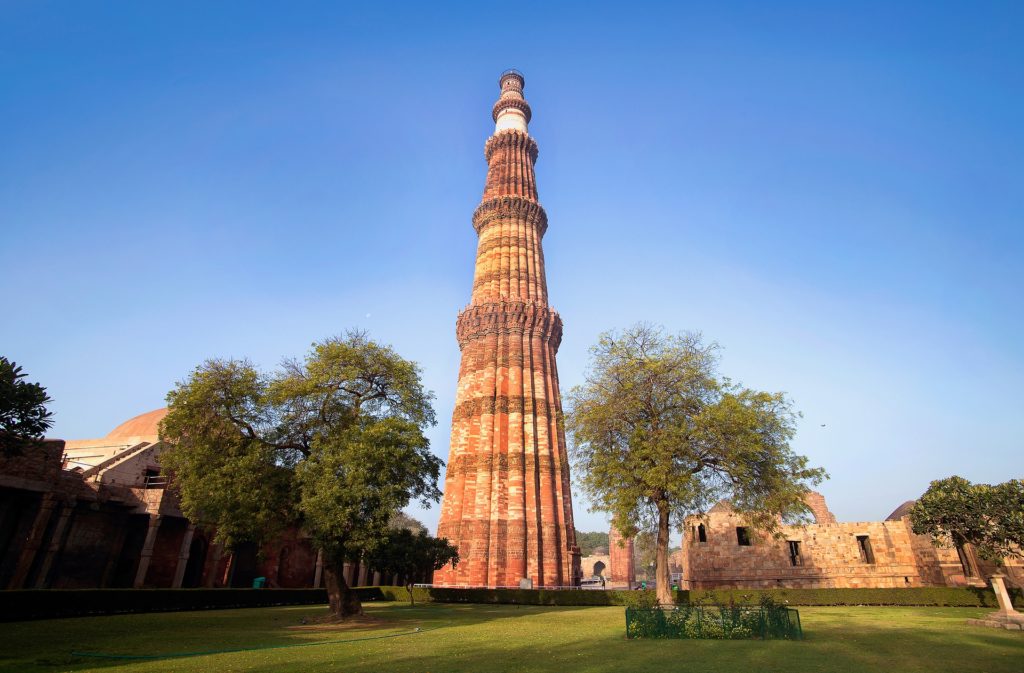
968,597
50,603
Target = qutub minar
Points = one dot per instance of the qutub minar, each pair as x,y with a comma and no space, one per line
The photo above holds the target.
507,503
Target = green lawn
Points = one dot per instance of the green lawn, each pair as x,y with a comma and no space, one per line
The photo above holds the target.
505,638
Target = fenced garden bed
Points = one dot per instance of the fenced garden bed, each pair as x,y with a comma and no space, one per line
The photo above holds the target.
714,622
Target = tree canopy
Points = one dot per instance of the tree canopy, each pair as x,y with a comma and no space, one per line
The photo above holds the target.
953,511
588,542
657,434
333,443
24,418
412,554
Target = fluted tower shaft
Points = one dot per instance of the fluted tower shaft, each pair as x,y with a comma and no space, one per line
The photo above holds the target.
507,504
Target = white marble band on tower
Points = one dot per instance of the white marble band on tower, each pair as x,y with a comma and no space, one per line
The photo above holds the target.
511,111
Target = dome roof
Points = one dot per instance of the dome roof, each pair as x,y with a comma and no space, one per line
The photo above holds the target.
143,425
901,511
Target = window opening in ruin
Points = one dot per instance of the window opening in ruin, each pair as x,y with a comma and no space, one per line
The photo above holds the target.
152,479
742,536
794,553
702,533
864,545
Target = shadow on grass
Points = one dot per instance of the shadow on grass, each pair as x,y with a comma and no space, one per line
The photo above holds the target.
529,638
945,644
126,640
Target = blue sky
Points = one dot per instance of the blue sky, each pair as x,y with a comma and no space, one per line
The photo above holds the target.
833,192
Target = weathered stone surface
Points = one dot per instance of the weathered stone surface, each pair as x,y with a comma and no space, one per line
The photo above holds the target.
507,503
829,554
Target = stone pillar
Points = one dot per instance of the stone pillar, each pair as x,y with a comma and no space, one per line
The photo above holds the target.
147,550
183,554
115,552
318,572
1005,617
229,570
1002,595
210,580
32,542
364,571
56,543
348,572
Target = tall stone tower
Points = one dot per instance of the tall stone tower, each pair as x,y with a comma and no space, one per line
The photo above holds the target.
507,503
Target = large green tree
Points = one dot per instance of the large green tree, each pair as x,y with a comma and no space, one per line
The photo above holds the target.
333,443
953,511
657,434
24,418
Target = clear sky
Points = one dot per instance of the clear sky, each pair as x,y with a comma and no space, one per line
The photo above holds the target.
832,191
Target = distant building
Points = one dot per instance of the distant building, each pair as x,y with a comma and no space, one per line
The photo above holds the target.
720,551
615,564
98,513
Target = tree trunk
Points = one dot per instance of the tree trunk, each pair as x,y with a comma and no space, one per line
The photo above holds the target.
412,599
661,574
343,601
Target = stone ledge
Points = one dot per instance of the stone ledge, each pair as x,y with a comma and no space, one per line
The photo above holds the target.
993,624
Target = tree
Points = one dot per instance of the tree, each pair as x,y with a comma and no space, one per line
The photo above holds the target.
645,553
333,443
953,511
657,435
410,555
24,418
588,542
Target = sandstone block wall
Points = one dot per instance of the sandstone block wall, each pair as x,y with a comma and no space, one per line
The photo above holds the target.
828,554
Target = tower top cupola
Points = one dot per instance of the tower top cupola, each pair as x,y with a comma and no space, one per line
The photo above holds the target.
511,111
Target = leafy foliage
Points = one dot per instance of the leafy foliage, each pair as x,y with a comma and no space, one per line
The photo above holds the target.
657,435
953,511
410,555
24,418
588,542
333,443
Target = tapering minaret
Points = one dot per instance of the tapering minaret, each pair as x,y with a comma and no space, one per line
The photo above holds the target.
507,504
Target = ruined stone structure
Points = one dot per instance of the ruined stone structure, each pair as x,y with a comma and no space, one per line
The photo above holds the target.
97,513
720,551
621,569
507,504
615,565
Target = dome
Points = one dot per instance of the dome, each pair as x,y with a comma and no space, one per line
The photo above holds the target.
143,425
901,511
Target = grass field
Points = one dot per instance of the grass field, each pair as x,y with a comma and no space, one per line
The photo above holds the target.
482,638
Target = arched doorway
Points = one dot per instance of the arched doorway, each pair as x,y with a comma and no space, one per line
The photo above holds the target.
599,568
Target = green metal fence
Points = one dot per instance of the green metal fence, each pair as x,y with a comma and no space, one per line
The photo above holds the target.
714,621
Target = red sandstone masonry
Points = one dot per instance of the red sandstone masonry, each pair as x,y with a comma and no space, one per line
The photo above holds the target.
507,504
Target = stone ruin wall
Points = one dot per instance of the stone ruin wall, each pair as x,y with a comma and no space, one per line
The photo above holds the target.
830,555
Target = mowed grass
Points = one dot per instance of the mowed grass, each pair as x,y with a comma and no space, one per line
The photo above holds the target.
485,638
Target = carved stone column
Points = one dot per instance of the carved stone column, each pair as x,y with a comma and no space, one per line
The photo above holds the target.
146,555
56,544
318,572
32,543
183,553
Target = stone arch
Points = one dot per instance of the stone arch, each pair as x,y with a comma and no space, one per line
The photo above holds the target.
599,568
